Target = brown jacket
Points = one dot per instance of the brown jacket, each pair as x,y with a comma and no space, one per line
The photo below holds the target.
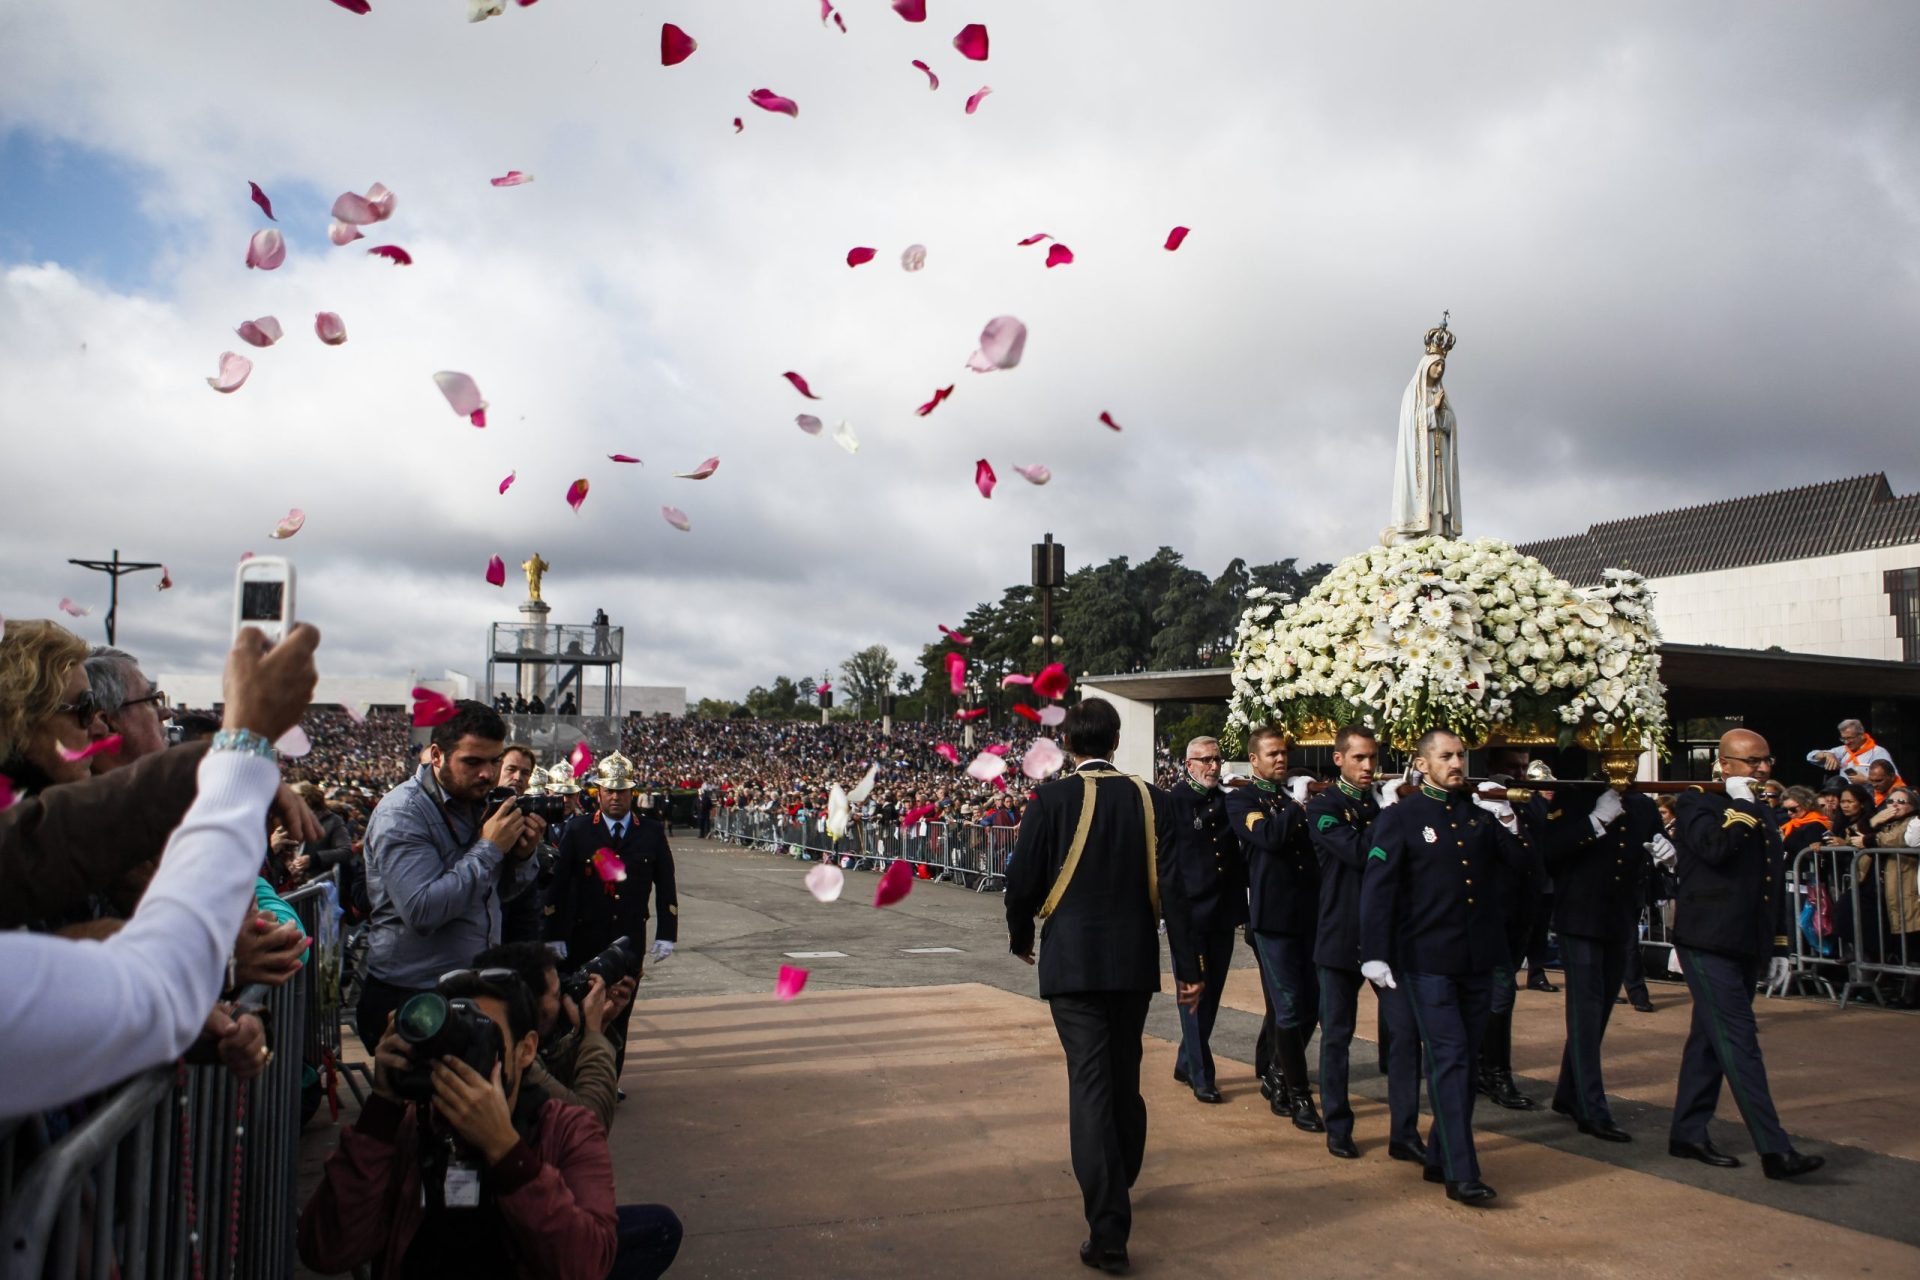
586,1060
80,838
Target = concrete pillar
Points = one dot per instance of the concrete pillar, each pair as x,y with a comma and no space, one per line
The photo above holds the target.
533,675
1136,731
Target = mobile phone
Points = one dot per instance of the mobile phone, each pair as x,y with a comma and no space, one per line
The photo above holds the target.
263,596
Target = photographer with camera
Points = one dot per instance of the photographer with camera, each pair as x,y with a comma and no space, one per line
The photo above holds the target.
576,1061
521,774
608,868
456,1166
442,856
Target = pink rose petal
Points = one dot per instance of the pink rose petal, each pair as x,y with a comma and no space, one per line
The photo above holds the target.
392,253
259,197
972,42
329,327
800,385
267,249
939,394
577,494
1008,682
109,745
6,792
508,482
497,571
895,883
825,882
511,178
859,255
294,743
1054,716
948,752
1174,237
676,46
1002,343
1042,759
957,672
623,457
263,332
918,812
986,766
430,708
166,583
979,95
933,81
911,10
67,606
245,556
973,714
353,208
1035,238
677,518
355,6
738,124
953,635
700,472
1051,680
983,478
1059,255
1026,712
463,393
808,423
768,100
294,521
840,22
581,759
343,232
995,749
610,865
1108,419
1035,474
1000,784
913,257
234,369
790,983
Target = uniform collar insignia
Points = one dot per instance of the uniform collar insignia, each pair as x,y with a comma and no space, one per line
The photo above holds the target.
1432,792
1358,793
1265,785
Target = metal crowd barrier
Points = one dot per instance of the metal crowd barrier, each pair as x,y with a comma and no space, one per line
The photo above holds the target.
182,1170
1884,895
1844,902
966,854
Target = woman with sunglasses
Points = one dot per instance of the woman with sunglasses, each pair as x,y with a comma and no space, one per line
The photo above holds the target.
47,711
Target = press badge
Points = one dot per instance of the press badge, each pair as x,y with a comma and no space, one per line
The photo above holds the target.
462,1188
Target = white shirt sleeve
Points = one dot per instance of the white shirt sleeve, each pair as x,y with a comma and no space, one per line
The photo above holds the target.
76,1016
1912,835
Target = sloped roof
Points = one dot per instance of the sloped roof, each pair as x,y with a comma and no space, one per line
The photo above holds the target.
1857,514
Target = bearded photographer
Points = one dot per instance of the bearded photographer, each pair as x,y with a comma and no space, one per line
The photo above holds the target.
441,864
576,1061
456,1166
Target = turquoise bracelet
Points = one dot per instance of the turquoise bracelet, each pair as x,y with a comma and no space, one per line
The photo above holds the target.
245,741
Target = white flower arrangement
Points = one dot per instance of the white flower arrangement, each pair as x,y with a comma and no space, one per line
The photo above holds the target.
1473,636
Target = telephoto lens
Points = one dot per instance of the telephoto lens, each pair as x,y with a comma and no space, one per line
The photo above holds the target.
620,960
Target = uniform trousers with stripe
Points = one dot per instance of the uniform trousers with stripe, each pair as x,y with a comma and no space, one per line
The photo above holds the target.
1450,1013
1593,967
1196,1024
1339,1011
1724,1041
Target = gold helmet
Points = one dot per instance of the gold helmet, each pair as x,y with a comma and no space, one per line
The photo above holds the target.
536,783
560,780
1540,771
614,772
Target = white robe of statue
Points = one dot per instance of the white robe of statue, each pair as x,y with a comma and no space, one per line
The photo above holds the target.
1426,468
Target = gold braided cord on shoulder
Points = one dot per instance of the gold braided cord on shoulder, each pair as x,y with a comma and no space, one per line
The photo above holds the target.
1085,825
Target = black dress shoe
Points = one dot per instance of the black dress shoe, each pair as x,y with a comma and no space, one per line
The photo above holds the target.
1537,984
1643,1006
1502,1092
1270,1085
1342,1147
1705,1153
1180,1073
1305,1116
1619,999
1475,1193
1790,1164
1606,1131
1113,1260
1412,1154
1208,1094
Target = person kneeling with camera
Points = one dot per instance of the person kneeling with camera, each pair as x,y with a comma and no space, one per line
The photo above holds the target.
456,1166
575,1062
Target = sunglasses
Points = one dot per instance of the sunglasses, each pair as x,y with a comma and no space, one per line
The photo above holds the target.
83,708
495,976
1755,761
1203,759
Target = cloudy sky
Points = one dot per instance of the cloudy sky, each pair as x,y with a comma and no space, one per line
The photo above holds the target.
1681,246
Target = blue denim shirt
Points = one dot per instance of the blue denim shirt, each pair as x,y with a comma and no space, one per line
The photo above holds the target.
434,883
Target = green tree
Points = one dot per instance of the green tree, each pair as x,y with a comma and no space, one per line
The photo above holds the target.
714,709
868,678
781,701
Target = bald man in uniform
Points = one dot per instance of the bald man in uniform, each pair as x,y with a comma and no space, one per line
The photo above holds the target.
1729,929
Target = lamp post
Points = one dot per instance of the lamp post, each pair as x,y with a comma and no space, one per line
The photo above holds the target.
113,569
1049,571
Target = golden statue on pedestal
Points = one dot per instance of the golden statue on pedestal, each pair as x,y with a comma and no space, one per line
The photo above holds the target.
535,568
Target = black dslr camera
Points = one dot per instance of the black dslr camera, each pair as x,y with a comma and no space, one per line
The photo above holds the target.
550,809
620,960
435,1027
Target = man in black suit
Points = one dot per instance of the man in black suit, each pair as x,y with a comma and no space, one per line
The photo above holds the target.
1095,860
1214,874
1595,847
1730,926
607,868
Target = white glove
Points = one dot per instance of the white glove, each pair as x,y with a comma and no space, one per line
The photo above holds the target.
1297,787
1501,809
1377,972
1608,807
1739,788
1662,850
660,949
1387,792
1779,975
